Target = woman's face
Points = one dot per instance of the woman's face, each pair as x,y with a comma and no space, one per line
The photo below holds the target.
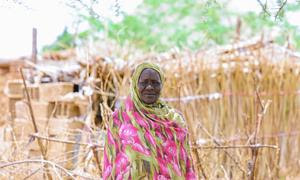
149,86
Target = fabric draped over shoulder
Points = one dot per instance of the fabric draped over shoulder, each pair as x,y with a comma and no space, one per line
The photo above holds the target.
146,141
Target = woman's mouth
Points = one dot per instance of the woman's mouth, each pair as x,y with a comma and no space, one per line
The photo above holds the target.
150,95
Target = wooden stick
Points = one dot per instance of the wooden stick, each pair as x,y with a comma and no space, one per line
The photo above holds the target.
64,141
237,147
43,151
254,151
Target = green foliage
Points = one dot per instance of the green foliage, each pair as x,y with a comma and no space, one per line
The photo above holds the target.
63,41
297,39
94,23
67,40
163,24
257,22
293,7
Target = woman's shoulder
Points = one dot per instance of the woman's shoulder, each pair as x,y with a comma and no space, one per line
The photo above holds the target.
179,118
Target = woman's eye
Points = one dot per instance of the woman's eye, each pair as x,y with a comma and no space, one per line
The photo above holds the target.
153,84
156,83
143,83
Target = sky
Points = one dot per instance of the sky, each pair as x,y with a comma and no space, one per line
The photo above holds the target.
50,17
17,21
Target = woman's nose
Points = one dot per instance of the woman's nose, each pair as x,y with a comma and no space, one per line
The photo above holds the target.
149,86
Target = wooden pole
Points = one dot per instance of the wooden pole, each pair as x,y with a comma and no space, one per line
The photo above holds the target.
34,45
42,148
238,29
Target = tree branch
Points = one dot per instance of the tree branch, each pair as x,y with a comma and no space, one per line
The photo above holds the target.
264,7
280,9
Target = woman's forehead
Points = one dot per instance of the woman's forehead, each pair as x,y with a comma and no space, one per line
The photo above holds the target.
149,72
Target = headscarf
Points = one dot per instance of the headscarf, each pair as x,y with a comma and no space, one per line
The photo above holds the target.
159,108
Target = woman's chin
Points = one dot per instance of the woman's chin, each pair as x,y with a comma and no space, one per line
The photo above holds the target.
149,99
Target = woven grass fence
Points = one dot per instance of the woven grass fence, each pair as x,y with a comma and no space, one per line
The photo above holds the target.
242,115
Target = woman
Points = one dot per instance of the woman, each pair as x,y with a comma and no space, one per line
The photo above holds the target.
147,139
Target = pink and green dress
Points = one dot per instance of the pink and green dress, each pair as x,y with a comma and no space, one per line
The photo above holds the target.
146,141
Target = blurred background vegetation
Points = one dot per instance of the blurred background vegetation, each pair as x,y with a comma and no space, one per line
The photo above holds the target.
158,25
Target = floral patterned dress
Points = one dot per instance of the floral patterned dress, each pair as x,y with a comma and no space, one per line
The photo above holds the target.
140,145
